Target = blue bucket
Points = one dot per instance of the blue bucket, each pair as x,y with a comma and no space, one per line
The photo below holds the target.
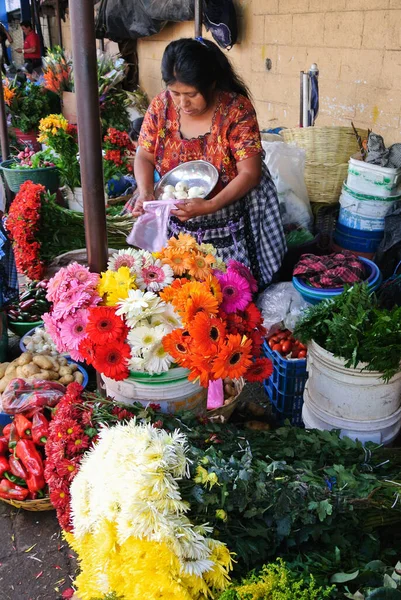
357,240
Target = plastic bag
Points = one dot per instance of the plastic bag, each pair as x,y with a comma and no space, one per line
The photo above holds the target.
388,254
281,306
20,395
287,167
150,230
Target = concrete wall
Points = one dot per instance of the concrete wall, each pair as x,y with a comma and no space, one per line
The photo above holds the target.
356,44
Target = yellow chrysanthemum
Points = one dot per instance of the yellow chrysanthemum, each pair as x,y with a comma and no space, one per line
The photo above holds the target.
51,125
115,285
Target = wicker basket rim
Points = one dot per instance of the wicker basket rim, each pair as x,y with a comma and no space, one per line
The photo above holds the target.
9,162
41,504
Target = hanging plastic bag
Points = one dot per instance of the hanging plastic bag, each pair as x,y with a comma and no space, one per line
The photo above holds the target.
281,305
150,230
286,164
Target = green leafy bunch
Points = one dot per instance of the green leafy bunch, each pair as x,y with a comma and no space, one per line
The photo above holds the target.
31,104
353,327
276,582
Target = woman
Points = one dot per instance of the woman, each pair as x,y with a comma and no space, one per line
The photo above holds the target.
205,113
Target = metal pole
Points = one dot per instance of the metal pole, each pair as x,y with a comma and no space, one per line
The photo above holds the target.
58,23
198,18
89,131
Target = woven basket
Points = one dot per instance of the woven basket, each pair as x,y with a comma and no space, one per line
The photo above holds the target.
223,413
325,216
39,505
79,256
47,176
328,150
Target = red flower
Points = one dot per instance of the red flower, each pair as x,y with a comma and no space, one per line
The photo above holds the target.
257,342
252,316
79,445
104,326
259,370
114,156
60,497
121,413
111,360
67,468
87,349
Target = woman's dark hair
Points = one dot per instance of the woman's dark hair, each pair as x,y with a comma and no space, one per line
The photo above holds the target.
136,129
26,24
200,64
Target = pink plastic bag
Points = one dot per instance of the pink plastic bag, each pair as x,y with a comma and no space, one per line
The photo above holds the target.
150,230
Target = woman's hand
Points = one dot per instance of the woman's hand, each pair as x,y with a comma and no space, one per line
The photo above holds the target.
194,207
19,50
143,197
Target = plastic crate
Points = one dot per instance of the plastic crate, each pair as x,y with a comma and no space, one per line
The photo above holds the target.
285,387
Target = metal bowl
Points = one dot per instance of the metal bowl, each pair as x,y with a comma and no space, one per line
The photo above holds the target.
194,172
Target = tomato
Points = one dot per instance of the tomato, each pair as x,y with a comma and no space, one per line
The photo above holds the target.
295,353
281,336
286,347
302,354
277,347
302,346
272,343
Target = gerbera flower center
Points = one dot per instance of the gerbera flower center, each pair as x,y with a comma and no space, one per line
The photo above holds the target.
235,358
177,260
105,325
181,348
214,334
148,339
113,358
229,291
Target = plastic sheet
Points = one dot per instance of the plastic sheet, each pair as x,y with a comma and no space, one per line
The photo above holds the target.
20,396
388,254
150,230
281,306
127,19
286,164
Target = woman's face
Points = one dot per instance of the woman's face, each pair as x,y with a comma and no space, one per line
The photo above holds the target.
188,99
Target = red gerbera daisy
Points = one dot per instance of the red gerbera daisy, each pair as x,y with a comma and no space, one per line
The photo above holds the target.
104,326
252,316
87,349
111,360
257,342
259,370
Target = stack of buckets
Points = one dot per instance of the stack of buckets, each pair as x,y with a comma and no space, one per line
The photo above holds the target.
368,195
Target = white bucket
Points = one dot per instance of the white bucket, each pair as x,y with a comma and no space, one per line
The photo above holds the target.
173,397
365,213
75,199
350,399
372,179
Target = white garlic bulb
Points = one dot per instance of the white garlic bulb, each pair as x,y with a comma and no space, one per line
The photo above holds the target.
167,195
201,192
169,189
181,195
181,186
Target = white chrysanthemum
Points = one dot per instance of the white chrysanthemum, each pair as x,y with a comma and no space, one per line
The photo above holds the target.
157,360
154,276
139,305
126,258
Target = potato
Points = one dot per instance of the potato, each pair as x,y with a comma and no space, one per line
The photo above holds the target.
28,370
12,366
65,371
25,359
66,379
62,361
3,368
79,377
4,383
73,367
56,364
42,376
11,373
43,362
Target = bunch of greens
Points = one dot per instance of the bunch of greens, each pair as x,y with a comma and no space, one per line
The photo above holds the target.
355,328
113,111
276,582
29,104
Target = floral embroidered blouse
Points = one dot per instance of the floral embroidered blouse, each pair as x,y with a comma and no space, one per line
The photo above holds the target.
233,136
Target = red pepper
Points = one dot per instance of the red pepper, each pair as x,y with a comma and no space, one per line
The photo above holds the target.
40,429
17,468
35,483
6,431
24,427
4,465
11,491
30,457
3,446
14,437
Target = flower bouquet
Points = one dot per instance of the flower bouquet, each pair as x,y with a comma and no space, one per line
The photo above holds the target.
118,149
57,71
181,307
26,103
62,138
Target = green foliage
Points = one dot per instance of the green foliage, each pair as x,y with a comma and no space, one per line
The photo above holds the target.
276,582
30,105
352,327
113,111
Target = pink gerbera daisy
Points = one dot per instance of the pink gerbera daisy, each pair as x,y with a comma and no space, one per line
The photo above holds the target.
236,291
155,277
72,330
82,275
242,270
71,302
51,327
57,286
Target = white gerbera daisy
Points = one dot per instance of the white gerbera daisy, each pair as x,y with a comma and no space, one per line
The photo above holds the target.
125,258
157,360
169,318
139,305
144,337
154,276
136,363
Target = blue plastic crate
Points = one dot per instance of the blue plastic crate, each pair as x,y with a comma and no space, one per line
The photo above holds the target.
285,387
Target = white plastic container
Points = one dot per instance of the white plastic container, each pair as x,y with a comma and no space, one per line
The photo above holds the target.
175,396
372,179
75,199
358,402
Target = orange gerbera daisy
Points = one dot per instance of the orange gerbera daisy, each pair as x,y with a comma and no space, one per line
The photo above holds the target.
201,301
234,358
214,287
177,344
170,292
200,370
187,291
183,242
207,333
199,265
176,258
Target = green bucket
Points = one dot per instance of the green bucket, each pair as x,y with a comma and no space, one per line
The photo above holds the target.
47,176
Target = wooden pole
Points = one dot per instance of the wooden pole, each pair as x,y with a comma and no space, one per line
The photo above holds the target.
89,131
198,18
58,23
